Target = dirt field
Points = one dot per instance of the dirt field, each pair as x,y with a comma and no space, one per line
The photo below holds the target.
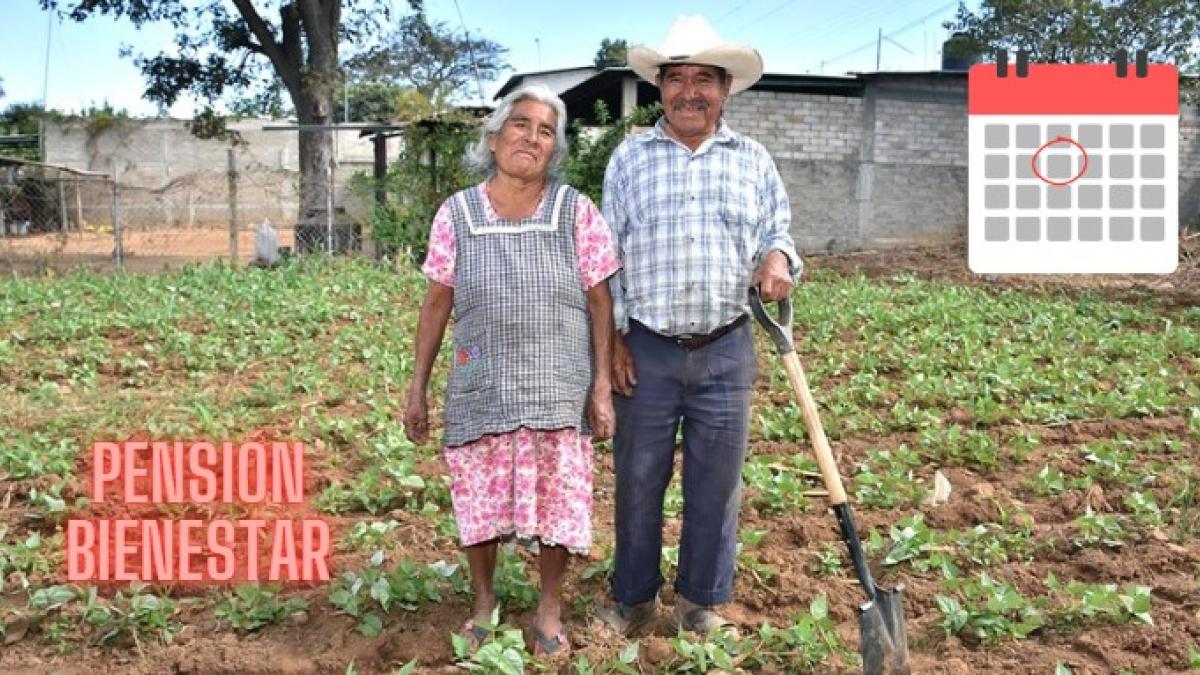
1037,526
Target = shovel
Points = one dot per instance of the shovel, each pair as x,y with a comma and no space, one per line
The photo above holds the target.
881,617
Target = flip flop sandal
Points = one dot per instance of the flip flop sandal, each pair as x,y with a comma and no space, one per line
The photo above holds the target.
473,634
702,620
550,646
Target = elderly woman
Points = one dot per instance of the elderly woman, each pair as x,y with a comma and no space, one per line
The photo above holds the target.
520,258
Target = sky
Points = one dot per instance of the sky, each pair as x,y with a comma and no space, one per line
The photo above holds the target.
794,36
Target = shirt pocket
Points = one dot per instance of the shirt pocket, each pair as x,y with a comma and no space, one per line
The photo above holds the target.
739,201
470,365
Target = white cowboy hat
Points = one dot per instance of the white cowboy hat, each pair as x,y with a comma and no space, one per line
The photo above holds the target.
692,40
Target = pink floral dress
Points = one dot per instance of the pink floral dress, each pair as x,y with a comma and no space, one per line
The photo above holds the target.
530,484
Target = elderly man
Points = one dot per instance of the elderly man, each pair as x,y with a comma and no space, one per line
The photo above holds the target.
699,214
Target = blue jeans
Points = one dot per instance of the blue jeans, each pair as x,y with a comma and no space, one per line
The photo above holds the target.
707,390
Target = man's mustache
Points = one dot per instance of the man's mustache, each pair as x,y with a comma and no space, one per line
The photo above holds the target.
695,105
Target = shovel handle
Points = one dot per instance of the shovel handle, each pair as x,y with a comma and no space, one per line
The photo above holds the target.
780,333
816,432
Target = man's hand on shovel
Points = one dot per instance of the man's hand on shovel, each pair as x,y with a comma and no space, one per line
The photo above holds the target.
772,278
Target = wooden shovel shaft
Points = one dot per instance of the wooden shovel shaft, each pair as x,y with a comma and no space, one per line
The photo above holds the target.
816,432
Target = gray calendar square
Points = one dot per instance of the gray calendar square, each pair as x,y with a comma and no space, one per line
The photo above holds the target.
1154,229
1058,197
1095,167
995,166
995,229
1120,166
1054,131
1153,136
1154,166
1120,229
1029,136
1025,166
995,136
1153,197
996,197
1058,229
1091,136
1059,167
1091,197
1091,229
1120,136
1120,197
1028,196
1029,229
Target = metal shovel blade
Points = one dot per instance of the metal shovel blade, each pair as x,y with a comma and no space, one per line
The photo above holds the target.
884,636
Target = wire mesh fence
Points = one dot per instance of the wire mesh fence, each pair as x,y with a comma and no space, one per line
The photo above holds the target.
141,219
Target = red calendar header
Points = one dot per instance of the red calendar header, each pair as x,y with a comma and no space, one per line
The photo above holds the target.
1073,89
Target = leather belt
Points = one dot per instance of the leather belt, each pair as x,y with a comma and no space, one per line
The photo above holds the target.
692,341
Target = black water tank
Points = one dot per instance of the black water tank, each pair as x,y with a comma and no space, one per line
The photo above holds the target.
960,52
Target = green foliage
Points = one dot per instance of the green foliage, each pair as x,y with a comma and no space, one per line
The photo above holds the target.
211,125
29,556
430,58
811,640
23,119
1085,31
369,535
251,607
611,54
514,589
131,615
406,586
1096,529
588,159
774,487
432,167
988,610
502,653
886,481
624,663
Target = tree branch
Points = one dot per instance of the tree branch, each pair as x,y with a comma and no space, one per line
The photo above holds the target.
322,50
288,72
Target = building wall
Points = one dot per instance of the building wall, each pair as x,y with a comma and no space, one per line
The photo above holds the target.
170,178
889,168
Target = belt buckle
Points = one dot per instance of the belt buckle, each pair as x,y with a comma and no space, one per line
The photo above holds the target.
686,341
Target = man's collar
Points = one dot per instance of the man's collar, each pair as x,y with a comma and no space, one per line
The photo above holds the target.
723,134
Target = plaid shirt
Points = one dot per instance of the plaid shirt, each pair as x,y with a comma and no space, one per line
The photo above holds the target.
691,227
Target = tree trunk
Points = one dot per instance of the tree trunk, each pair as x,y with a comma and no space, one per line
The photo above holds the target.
316,156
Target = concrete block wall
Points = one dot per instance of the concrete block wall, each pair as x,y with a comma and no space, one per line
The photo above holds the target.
890,168
1189,166
170,178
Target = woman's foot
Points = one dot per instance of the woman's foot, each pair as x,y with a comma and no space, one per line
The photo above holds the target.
548,619
550,645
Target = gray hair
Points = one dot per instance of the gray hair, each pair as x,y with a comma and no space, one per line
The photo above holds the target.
481,157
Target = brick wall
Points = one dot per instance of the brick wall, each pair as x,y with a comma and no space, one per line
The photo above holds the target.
890,167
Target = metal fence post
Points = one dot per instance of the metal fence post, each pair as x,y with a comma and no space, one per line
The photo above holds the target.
233,207
329,210
116,212
62,205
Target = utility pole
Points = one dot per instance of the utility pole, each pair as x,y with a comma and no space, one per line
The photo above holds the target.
878,49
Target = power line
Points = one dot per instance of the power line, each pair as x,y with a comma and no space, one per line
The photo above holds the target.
46,67
471,53
898,31
773,11
733,11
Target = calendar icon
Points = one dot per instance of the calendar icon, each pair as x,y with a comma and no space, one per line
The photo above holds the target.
1073,168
